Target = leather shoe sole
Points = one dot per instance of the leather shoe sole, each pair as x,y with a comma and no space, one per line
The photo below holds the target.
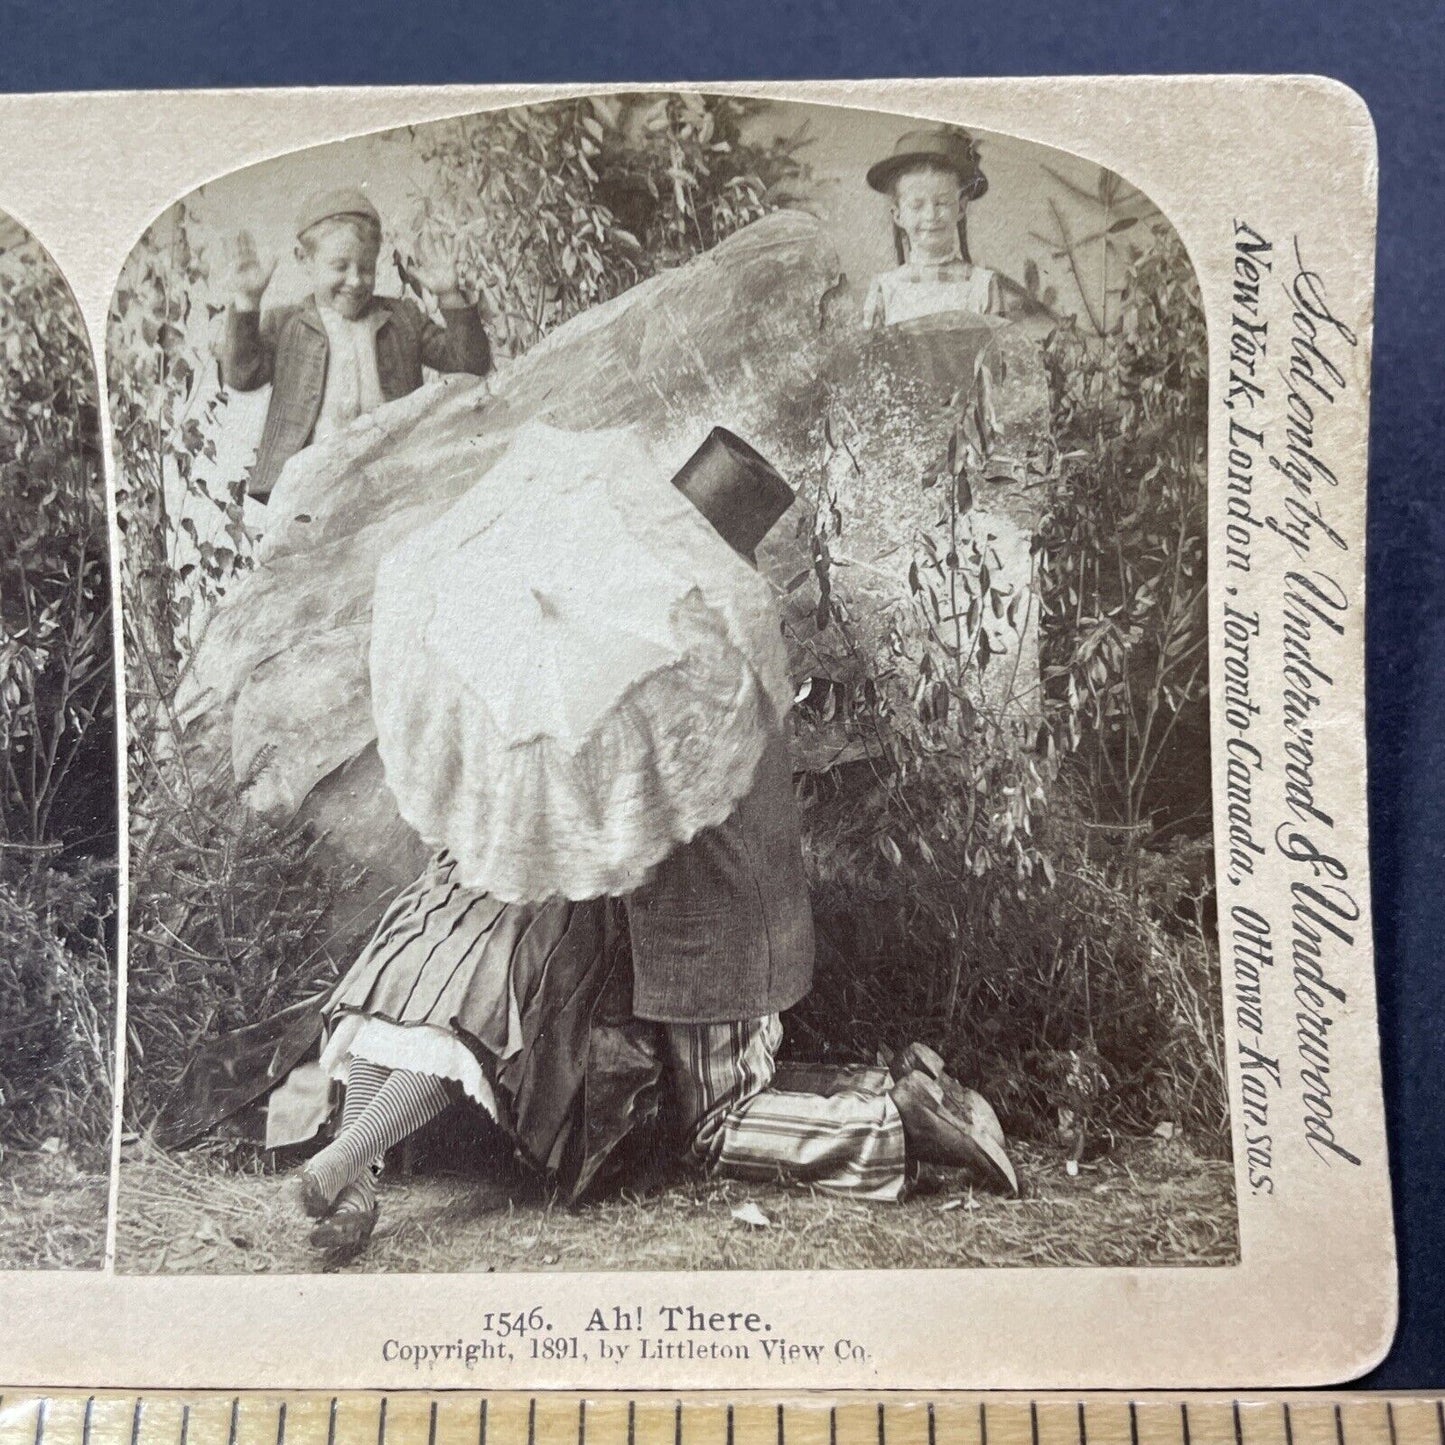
948,1126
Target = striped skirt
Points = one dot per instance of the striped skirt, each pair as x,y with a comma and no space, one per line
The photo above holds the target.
441,986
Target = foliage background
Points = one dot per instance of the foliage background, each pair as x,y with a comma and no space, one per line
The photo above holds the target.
1038,902
58,829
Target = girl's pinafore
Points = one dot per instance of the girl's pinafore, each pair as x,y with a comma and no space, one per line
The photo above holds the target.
918,289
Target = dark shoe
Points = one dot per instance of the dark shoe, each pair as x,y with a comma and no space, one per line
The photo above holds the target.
953,1126
965,1102
347,1231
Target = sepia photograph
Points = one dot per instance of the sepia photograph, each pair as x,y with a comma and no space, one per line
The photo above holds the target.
666,655
59,827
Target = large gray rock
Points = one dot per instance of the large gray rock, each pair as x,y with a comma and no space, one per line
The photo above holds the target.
747,336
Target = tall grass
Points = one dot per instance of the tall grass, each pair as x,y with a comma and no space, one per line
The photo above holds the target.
57,1008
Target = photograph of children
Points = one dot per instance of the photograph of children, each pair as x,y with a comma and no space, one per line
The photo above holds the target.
668,705
58,784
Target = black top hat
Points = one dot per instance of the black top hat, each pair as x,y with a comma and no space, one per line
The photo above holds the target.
736,488
942,146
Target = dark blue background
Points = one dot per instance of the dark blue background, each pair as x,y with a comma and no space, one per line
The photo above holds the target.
1391,53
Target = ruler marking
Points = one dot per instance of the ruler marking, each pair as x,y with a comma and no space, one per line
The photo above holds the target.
139,1433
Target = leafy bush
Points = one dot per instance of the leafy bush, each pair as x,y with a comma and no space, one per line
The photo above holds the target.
1074,1007
561,206
165,412
58,825
1123,550
56,688
1010,878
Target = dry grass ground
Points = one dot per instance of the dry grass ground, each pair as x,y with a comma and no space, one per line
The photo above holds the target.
1150,1203
52,1214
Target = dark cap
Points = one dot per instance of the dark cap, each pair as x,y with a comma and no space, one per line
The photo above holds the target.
953,149
329,205
736,488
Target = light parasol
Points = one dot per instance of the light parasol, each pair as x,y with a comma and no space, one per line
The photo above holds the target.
572,673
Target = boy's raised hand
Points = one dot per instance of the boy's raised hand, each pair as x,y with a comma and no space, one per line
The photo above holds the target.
436,268
249,273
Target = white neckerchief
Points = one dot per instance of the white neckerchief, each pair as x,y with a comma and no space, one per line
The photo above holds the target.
353,384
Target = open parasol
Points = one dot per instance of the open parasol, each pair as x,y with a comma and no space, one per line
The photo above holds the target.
572,673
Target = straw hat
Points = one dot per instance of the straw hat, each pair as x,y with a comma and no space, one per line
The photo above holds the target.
940,146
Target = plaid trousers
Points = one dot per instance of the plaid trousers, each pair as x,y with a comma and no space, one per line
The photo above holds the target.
848,1140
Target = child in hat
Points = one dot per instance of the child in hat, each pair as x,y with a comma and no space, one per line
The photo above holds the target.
930,178
344,350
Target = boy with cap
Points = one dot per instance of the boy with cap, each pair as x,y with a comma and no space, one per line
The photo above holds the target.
343,351
930,178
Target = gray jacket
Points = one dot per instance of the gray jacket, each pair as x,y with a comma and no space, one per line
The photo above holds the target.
723,931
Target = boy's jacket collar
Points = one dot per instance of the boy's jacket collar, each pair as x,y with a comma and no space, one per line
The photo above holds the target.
310,313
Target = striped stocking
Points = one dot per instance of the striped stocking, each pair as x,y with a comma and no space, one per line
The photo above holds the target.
363,1083
399,1107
